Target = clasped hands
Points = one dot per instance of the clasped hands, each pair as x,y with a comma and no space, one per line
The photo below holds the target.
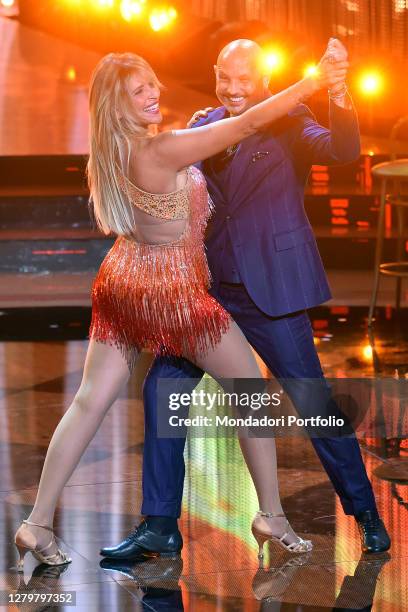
333,66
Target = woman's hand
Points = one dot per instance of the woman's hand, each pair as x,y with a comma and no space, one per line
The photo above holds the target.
333,66
199,115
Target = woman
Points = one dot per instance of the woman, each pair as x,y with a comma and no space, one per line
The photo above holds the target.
152,288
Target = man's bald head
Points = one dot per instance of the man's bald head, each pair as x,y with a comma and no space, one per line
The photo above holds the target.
243,49
241,81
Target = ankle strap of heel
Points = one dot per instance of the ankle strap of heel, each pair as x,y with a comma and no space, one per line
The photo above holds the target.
37,525
270,514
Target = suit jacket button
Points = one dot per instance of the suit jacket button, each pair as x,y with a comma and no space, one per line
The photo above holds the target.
228,217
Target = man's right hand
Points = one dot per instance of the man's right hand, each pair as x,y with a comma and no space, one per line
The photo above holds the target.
199,115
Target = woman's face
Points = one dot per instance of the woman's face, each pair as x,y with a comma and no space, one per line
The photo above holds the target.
145,96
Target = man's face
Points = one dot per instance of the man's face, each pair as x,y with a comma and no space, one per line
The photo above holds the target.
239,83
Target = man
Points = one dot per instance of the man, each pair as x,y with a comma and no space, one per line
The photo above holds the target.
266,272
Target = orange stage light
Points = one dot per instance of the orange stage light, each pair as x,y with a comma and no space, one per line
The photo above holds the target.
339,202
272,60
161,19
371,83
72,3
105,3
132,9
367,352
70,74
310,70
340,310
320,324
157,20
339,221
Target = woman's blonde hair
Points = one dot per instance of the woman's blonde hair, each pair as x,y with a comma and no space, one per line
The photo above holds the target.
112,125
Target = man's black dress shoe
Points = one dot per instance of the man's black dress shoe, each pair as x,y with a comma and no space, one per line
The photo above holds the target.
143,542
374,536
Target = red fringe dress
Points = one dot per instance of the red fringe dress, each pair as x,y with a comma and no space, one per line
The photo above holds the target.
156,296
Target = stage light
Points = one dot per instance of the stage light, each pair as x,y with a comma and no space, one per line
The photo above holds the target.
400,6
371,83
7,3
70,74
132,9
368,352
104,3
272,60
160,19
310,70
72,3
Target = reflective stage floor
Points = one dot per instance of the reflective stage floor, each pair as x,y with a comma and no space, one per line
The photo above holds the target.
219,567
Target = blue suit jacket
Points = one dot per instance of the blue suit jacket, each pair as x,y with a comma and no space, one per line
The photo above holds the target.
260,207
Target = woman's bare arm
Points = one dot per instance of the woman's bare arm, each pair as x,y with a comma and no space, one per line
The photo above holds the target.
180,148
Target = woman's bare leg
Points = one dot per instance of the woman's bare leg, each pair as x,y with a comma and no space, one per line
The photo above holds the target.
105,372
233,357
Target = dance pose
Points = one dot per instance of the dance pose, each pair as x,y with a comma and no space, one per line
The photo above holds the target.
266,272
152,288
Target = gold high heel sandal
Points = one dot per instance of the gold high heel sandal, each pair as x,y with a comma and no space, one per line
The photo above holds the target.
299,546
27,543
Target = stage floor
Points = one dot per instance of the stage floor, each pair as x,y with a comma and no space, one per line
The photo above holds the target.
218,569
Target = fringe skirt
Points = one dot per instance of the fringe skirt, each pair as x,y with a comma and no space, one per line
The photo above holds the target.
156,297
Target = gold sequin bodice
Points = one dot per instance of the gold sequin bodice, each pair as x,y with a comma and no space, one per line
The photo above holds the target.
173,205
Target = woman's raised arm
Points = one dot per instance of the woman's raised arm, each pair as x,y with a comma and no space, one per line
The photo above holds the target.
180,148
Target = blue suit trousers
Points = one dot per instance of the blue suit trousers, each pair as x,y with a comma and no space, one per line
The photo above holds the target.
286,346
